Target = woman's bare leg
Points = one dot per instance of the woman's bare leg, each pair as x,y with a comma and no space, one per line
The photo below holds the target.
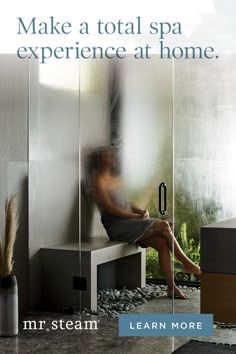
162,228
160,244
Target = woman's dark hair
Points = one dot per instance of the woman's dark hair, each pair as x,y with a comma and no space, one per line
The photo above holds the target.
94,159
92,163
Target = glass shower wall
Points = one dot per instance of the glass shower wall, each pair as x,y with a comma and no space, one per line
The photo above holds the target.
146,152
146,131
205,148
94,130
76,108
53,180
127,105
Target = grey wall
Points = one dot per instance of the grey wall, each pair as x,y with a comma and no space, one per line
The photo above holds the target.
14,159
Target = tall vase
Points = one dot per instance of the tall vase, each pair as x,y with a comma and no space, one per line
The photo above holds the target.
8,306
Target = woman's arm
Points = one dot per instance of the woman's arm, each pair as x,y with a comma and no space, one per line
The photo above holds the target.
144,213
136,210
104,198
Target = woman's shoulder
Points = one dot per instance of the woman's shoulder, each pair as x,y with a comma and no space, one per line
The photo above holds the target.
102,182
99,181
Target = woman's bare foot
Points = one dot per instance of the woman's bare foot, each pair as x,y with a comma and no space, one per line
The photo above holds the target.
191,268
177,293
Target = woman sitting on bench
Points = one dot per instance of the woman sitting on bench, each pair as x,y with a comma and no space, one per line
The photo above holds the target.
124,221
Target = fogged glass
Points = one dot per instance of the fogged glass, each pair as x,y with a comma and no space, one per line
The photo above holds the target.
146,129
126,105
205,148
54,182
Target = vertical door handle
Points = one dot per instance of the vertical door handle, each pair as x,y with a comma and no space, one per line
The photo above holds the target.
163,190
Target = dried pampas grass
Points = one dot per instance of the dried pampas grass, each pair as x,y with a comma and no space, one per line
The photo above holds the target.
2,262
11,227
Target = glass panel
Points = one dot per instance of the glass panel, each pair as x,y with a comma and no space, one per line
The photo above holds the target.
53,183
205,147
94,134
126,105
146,126
74,111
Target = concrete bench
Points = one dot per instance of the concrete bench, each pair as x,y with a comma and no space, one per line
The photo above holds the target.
72,277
